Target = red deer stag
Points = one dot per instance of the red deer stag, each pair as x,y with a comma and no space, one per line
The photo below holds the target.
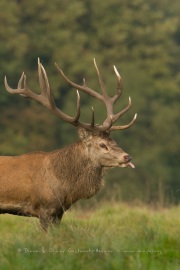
45,185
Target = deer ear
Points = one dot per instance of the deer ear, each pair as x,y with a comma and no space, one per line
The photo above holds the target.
84,134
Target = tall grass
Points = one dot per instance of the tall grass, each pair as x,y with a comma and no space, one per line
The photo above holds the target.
112,237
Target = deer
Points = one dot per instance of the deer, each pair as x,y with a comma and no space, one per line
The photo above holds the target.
45,184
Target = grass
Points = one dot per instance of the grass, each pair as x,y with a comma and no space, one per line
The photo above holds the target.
114,236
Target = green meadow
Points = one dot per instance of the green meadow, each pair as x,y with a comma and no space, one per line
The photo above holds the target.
112,236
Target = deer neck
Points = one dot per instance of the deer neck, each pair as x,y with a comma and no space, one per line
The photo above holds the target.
76,172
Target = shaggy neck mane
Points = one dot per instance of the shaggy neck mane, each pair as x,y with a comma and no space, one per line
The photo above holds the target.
79,175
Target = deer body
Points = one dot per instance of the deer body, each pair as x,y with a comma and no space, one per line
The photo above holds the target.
45,185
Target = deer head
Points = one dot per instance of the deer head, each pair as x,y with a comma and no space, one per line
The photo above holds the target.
95,137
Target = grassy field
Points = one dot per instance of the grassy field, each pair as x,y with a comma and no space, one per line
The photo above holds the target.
114,236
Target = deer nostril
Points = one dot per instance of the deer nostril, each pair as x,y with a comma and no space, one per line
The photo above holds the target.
127,158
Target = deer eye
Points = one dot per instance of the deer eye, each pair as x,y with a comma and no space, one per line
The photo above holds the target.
102,145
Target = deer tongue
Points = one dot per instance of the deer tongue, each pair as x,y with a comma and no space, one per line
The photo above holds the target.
130,164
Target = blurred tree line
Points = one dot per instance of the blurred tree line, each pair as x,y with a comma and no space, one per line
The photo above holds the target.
142,38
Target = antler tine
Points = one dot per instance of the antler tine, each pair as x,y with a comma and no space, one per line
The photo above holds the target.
119,85
21,80
103,88
45,86
41,79
92,121
78,109
123,111
125,126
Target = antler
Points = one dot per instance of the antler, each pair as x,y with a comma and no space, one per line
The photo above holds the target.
46,98
108,101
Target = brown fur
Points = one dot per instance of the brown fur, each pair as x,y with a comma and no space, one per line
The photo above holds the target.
44,185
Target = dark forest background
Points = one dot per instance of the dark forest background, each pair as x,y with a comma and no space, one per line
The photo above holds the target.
142,38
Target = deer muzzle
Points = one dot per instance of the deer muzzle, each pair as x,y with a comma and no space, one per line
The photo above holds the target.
128,163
